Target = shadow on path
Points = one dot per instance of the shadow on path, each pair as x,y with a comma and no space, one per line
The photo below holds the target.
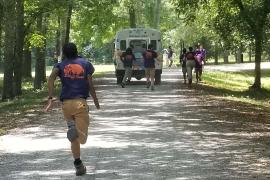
143,134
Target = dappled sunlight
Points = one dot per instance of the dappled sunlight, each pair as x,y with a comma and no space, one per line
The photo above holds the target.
35,139
143,134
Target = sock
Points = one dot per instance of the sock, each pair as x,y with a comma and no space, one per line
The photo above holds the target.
77,161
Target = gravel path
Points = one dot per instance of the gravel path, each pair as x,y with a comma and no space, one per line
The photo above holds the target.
144,135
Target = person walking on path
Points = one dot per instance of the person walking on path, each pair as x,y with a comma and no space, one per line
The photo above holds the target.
149,64
170,56
76,77
198,65
190,56
200,61
117,58
183,62
128,58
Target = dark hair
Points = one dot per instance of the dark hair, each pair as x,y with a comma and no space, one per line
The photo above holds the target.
190,48
70,51
150,46
184,50
129,51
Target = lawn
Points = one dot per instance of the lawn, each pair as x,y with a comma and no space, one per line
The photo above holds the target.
235,86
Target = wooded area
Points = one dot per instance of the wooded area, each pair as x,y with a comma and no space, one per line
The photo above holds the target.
32,32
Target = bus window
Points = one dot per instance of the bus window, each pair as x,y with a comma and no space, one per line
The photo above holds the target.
138,45
123,45
154,43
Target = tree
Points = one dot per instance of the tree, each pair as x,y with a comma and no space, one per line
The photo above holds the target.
9,45
256,20
19,47
248,18
69,13
27,61
132,16
157,14
1,28
40,54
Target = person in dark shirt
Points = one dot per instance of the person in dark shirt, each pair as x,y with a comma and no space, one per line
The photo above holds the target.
149,65
75,74
183,62
170,56
190,57
127,58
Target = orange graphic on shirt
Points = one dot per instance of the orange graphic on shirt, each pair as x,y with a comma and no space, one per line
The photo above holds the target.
74,71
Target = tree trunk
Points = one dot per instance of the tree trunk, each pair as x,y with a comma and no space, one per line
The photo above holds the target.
157,14
216,54
239,57
58,42
39,67
27,63
70,5
1,28
250,53
63,26
258,56
43,51
9,29
19,48
226,57
235,56
132,16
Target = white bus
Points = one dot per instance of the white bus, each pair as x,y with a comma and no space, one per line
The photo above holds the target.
138,39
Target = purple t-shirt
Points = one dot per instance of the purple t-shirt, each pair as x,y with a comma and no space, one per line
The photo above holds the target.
73,75
203,53
149,58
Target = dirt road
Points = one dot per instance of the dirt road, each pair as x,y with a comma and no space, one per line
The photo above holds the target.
140,134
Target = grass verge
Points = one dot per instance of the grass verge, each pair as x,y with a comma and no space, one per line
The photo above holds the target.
235,86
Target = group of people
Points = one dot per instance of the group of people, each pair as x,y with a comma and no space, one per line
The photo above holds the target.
189,60
192,59
75,74
149,57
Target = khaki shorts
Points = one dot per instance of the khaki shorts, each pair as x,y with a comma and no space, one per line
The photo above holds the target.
77,110
150,72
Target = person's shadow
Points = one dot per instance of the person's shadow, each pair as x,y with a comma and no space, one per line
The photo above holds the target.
86,177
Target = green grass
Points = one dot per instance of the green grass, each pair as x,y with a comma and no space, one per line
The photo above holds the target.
30,99
235,86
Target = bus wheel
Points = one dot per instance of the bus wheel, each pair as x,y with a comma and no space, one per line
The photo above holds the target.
119,79
157,78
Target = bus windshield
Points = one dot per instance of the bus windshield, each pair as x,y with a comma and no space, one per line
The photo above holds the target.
138,45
